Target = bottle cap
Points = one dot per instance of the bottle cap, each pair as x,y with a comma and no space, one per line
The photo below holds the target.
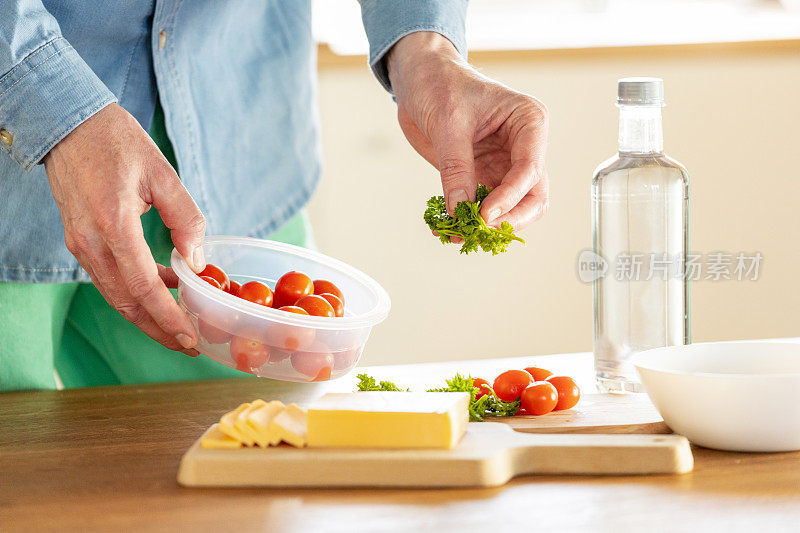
640,91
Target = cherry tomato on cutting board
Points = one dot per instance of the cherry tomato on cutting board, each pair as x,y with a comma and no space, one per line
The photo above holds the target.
479,383
316,306
539,398
213,271
291,287
322,286
539,374
509,385
336,303
248,354
256,292
568,392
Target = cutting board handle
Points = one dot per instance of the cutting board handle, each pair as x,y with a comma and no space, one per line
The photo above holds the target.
601,454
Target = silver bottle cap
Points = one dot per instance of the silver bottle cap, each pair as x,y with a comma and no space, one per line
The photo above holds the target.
640,91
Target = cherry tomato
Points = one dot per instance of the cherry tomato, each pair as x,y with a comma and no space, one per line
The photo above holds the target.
218,274
211,333
336,303
293,309
539,398
290,337
509,385
568,391
324,374
234,288
291,287
316,305
256,292
314,362
249,354
539,374
211,281
478,384
346,360
322,286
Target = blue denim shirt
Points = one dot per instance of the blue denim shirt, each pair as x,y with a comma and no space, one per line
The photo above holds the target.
236,79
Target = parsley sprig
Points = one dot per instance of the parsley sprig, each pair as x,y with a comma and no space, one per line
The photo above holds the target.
487,405
468,224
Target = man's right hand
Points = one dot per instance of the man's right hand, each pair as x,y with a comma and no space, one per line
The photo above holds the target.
104,175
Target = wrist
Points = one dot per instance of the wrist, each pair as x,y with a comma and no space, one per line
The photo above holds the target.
417,55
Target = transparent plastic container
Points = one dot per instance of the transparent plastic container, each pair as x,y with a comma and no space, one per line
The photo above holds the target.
292,347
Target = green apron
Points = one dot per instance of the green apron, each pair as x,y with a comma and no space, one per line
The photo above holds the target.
70,328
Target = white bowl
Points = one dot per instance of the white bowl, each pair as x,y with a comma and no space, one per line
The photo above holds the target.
738,396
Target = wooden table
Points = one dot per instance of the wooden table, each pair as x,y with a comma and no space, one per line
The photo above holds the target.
106,458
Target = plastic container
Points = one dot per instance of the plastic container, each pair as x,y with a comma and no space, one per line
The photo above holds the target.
277,344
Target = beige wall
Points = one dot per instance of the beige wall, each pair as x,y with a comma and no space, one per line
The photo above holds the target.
733,119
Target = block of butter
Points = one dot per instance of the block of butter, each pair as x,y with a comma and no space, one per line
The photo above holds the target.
388,420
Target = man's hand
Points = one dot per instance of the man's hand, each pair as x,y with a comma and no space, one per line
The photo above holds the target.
104,175
472,129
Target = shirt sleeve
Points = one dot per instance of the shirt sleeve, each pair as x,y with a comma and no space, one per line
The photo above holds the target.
388,21
46,88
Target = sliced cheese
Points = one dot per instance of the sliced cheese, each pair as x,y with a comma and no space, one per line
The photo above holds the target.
215,439
388,419
241,421
227,424
259,420
290,426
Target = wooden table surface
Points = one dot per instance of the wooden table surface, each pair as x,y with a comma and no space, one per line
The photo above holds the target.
104,458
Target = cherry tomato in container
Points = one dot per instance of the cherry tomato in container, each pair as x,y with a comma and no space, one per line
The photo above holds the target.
234,288
347,359
316,306
213,271
249,354
323,286
336,303
293,309
539,398
479,383
568,392
211,333
539,374
288,336
509,385
314,363
291,287
256,292
211,281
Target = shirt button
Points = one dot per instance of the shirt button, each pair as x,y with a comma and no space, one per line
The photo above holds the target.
6,137
162,39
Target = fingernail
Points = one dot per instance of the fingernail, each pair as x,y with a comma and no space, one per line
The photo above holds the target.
185,340
199,259
493,214
456,196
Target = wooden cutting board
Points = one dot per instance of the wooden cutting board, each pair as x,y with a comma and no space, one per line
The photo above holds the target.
490,454
596,413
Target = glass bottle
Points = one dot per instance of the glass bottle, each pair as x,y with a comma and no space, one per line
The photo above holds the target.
640,228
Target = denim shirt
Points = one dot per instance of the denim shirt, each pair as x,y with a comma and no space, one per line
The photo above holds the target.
236,79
